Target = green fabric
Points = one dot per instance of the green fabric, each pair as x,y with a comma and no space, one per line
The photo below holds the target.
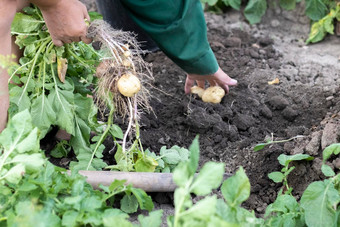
179,29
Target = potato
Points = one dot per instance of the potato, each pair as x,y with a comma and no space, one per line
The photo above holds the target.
127,53
128,85
213,94
197,90
126,63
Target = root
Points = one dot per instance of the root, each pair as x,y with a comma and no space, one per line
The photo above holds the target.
121,54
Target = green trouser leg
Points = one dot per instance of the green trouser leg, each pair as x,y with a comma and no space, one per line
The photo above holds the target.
179,29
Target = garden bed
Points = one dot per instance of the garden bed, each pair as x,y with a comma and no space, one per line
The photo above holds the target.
305,102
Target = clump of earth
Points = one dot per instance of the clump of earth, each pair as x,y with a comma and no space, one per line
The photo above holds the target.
305,102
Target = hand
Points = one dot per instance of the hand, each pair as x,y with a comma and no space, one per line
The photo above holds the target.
219,78
65,21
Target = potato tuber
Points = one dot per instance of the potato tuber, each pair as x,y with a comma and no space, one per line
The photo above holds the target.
128,85
197,90
213,94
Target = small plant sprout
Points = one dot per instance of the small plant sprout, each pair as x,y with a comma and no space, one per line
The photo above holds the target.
271,141
282,176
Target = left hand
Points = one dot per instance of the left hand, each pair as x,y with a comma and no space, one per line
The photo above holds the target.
220,78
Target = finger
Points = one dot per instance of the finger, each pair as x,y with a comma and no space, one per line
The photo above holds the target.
86,40
225,87
57,42
86,14
76,39
201,83
67,40
212,83
188,84
232,82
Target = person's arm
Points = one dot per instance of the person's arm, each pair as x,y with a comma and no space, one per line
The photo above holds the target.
65,20
179,29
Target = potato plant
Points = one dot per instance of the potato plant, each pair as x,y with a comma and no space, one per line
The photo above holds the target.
322,13
67,87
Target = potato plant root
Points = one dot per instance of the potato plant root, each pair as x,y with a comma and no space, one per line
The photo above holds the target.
120,55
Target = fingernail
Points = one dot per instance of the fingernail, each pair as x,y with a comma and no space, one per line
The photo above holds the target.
233,82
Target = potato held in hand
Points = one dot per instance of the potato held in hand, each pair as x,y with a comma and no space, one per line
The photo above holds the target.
128,85
213,94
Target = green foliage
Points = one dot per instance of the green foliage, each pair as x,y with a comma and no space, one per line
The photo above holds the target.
254,10
327,153
282,176
321,12
38,192
209,211
323,26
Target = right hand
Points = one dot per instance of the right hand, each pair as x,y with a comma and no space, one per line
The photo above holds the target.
65,21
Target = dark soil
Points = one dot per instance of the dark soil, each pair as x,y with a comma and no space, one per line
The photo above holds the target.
305,102
251,112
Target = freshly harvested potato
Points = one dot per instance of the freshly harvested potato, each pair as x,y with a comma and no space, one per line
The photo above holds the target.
213,94
197,90
128,85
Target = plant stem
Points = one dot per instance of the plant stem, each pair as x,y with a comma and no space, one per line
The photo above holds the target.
102,138
33,67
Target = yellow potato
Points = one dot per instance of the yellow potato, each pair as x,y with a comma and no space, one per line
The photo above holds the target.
128,85
127,53
126,63
213,94
197,90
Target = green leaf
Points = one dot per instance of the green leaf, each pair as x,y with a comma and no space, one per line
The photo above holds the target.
329,25
23,23
254,10
209,178
286,159
210,2
95,16
181,174
327,170
153,220
116,131
146,164
203,209
194,156
330,150
315,9
318,201
129,203
170,156
288,4
277,177
283,205
260,146
14,174
19,98
236,189
32,162
235,4
145,201
83,106
19,134
43,116
69,218
81,139
317,33
62,103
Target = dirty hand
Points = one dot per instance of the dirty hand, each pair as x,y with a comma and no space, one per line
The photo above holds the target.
65,20
219,78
